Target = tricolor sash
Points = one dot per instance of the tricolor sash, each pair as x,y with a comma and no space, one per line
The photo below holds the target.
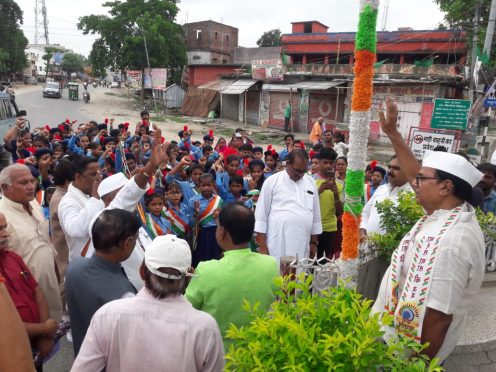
208,214
409,306
152,227
179,227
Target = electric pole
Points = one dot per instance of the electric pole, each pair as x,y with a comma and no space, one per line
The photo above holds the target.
473,58
488,42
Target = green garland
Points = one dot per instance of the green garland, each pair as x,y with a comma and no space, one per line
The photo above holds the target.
354,189
366,37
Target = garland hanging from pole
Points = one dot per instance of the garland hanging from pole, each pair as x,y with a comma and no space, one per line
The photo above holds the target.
365,57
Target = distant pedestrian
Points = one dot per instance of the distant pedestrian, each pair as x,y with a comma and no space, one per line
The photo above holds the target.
287,116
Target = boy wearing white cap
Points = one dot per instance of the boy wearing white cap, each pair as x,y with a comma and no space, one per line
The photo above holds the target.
158,329
437,269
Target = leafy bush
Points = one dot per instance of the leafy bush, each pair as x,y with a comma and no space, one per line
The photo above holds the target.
331,332
397,220
487,222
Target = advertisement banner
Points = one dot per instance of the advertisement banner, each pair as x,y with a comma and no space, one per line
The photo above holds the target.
267,69
134,78
159,78
422,140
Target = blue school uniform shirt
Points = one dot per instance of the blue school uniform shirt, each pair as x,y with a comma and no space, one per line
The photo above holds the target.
203,205
188,188
226,195
183,212
162,222
73,147
283,154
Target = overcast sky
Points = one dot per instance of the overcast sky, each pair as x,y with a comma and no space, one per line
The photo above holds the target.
251,17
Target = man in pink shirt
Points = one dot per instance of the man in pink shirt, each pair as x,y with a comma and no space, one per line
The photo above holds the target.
158,329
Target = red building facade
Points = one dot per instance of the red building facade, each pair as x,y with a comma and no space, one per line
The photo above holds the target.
310,42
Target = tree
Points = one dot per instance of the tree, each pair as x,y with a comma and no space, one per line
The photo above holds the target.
73,62
12,40
459,14
121,42
270,38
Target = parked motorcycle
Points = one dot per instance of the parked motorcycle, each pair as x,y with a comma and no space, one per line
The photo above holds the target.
86,96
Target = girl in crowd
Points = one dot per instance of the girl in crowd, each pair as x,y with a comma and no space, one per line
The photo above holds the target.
271,159
257,175
204,208
177,212
154,220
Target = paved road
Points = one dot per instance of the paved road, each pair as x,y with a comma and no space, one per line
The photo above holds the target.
52,111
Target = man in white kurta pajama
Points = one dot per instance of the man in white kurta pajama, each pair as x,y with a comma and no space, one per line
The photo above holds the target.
437,269
288,211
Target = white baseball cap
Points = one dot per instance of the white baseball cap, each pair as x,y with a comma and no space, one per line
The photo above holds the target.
168,251
112,183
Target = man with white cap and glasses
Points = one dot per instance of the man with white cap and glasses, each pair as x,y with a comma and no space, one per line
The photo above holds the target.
437,269
158,329
82,201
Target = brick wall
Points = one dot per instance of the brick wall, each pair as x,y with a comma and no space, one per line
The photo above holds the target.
202,74
214,37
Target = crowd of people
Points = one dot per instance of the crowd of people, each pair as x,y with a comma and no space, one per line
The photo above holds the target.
132,237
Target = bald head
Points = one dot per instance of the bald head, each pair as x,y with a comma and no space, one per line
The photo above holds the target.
238,221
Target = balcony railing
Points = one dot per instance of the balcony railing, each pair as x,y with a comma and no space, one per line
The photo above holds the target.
435,71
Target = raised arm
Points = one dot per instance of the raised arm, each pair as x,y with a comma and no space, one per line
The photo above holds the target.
408,163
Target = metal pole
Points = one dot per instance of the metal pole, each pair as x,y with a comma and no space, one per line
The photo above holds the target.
246,113
291,107
473,58
490,28
337,108
149,68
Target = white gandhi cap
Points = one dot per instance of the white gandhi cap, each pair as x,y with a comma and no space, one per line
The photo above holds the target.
112,183
168,251
453,164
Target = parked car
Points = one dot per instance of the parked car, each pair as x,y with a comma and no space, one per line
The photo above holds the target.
114,84
52,89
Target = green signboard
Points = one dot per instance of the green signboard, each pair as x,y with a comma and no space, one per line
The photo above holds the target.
450,114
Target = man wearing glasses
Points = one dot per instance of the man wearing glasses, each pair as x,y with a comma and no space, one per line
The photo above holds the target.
437,269
288,211
371,272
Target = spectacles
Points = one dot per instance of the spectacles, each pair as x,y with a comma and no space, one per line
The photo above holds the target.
422,178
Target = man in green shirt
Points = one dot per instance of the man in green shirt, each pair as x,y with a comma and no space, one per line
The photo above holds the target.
287,116
221,286
331,203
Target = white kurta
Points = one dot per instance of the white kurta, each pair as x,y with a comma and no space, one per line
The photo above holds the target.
29,239
77,212
457,275
371,220
289,213
133,263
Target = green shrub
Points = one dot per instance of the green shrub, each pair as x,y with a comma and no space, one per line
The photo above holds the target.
397,220
331,332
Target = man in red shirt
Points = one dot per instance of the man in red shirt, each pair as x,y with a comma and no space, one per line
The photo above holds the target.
26,295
